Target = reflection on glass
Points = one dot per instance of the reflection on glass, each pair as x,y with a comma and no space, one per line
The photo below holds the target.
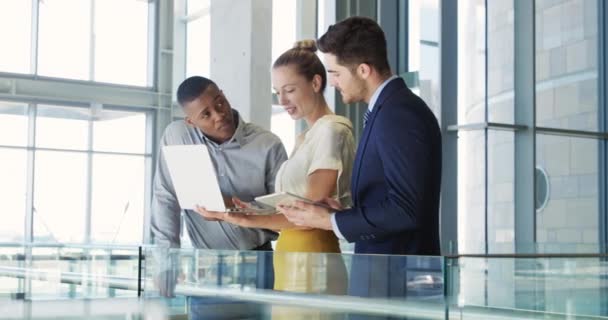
13,124
76,273
64,39
567,287
13,191
62,127
15,32
471,192
198,50
118,131
10,286
59,196
236,282
471,61
121,42
571,214
283,126
501,61
501,192
117,203
566,64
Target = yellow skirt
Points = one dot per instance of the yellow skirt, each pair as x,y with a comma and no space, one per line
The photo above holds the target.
306,271
298,267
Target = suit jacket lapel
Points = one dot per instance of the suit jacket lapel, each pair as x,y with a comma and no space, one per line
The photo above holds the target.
391,87
361,151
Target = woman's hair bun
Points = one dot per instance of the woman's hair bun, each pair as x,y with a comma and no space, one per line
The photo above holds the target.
310,45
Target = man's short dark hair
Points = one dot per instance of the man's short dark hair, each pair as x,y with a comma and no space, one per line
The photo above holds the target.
356,40
192,88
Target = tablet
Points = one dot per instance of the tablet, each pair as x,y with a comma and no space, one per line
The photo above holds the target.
285,198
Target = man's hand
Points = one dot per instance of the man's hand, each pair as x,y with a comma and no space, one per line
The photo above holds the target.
333,203
307,215
242,219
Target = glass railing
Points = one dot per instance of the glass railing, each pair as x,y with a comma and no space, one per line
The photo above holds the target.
127,282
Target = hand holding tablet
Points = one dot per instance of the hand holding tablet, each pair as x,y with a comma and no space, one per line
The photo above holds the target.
285,198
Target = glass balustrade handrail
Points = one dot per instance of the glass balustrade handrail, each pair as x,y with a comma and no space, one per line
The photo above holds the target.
367,306
483,286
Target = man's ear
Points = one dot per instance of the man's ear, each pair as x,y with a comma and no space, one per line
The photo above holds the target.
189,121
364,70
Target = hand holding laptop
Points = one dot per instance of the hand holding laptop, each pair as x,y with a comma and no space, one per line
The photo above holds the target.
195,181
244,217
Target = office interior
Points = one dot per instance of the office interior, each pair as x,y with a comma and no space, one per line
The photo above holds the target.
518,87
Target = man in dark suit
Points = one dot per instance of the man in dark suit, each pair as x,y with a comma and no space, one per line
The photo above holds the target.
397,171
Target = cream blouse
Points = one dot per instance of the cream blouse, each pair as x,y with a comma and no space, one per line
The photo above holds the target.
328,144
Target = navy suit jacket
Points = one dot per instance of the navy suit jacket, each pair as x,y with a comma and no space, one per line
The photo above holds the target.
396,178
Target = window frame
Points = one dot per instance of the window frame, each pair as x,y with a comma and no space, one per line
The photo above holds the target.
152,56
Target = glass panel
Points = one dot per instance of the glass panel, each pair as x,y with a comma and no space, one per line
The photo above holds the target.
86,272
471,192
13,173
283,126
501,192
11,287
198,51
566,64
13,124
501,61
424,49
64,39
539,288
15,34
283,26
471,61
571,213
232,284
119,131
59,196
62,128
121,42
118,199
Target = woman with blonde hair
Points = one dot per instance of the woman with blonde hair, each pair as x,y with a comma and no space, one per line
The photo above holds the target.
319,167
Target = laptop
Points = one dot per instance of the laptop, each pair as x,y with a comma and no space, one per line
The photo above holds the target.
193,175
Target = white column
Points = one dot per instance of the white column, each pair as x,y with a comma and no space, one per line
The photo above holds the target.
241,48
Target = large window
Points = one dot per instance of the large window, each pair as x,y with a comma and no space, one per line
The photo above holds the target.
87,168
567,98
424,50
13,139
79,39
567,142
283,38
15,29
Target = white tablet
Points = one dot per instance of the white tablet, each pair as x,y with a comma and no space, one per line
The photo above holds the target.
285,198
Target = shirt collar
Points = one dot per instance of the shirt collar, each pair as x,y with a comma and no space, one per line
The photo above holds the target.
374,98
237,137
